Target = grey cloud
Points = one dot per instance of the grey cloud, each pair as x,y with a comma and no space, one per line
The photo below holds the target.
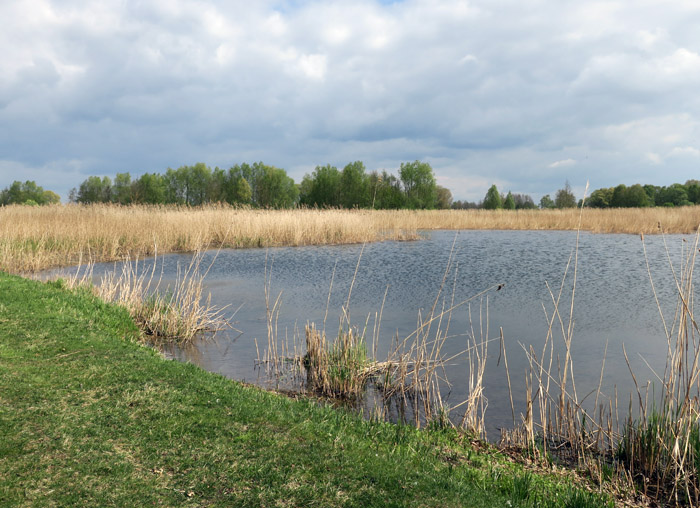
489,91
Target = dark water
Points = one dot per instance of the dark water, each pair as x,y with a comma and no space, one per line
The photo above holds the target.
614,304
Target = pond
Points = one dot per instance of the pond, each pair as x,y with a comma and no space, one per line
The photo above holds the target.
614,303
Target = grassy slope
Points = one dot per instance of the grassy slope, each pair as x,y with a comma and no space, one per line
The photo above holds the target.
90,419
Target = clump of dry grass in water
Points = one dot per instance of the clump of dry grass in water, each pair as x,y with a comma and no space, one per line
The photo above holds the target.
341,368
414,371
176,313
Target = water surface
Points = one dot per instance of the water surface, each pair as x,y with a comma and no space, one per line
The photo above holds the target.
614,304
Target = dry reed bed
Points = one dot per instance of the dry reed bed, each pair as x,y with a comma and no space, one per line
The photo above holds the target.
613,220
36,238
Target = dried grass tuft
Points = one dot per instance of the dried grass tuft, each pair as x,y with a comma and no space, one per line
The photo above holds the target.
177,313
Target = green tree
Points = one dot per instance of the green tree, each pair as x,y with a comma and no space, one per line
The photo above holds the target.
546,202
418,184
176,190
95,190
509,202
386,191
492,200
306,188
149,188
324,190
524,202
653,193
244,171
619,196
636,197
600,198
464,205
242,194
444,198
217,186
50,198
199,180
673,195
273,188
564,198
121,190
354,186
693,190
188,185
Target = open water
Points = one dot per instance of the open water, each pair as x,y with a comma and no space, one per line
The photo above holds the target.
614,304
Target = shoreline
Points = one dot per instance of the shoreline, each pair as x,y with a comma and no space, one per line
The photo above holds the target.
92,417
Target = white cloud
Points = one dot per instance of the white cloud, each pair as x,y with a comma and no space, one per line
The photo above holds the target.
653,158
684,151
562,163
313,66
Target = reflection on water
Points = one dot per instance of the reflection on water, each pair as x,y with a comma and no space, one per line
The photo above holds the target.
614,304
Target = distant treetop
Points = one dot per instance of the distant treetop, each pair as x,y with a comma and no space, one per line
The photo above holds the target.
28,193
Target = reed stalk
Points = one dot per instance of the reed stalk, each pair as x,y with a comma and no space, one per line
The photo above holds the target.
661,446
556,419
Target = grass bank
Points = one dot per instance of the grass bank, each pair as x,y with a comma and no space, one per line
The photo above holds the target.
88,417
36,238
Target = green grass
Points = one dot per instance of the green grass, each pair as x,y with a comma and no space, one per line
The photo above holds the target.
89,417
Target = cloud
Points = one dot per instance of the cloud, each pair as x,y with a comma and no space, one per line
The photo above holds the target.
684,151
562,163
489,91
653,158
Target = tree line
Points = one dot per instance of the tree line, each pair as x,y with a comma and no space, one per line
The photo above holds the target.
621,196
265,186
634,196
261,185
639,196
250,184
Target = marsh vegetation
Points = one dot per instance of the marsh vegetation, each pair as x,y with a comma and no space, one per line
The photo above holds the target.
647,444
37,238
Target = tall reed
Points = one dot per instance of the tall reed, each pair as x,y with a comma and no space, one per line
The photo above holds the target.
36,238
556,419
661,447
416,366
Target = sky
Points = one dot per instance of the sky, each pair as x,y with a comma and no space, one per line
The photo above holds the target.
524,95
